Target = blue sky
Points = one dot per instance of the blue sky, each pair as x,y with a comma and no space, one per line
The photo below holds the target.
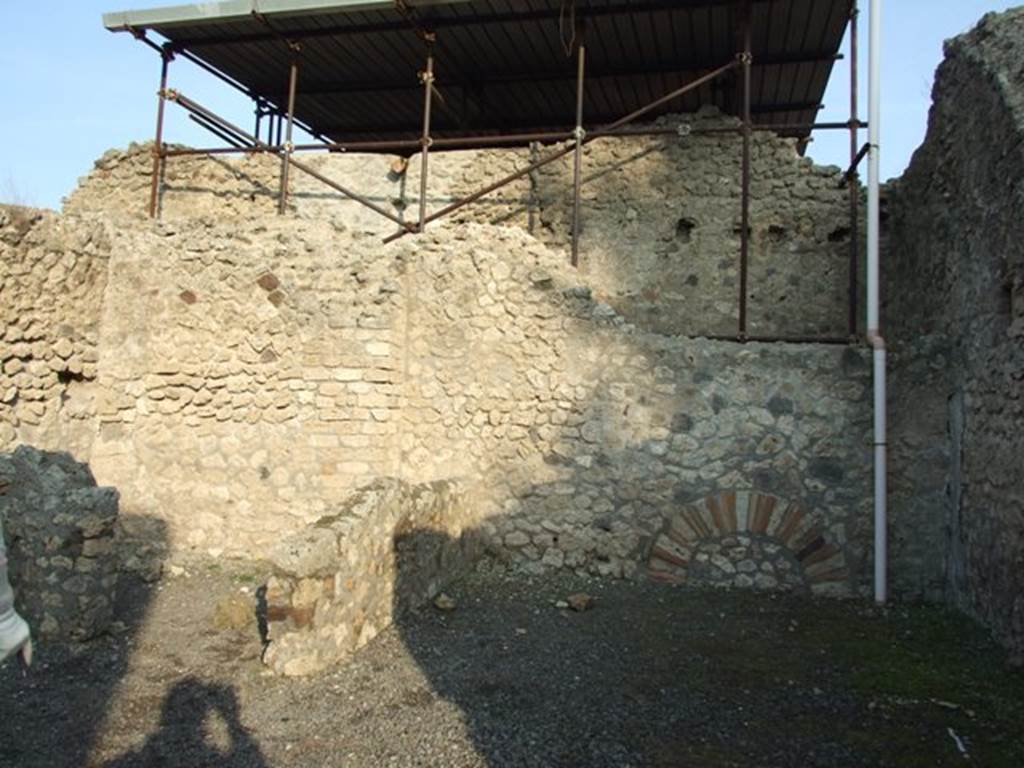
71,90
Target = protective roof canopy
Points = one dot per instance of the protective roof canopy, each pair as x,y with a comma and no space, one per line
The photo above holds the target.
501,66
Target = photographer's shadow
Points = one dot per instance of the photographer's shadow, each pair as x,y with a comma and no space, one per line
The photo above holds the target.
199,726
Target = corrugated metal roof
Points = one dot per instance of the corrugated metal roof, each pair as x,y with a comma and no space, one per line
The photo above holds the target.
501,65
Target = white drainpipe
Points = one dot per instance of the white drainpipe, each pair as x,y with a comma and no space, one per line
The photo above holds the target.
874,332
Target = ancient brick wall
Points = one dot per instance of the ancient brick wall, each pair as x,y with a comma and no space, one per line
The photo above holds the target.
59,530
955,313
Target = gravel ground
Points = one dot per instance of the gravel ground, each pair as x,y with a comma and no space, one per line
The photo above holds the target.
650,676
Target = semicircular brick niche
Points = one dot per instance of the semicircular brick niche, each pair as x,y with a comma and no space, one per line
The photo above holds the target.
731,530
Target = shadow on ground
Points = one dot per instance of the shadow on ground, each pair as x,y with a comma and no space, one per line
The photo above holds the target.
162,689
56,713
651,675
51,714
199,726
662,676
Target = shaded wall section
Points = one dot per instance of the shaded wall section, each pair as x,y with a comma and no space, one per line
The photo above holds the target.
955,312
590,434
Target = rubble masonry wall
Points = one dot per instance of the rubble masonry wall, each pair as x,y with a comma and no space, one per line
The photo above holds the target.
251,375
249,371
955,313
660,218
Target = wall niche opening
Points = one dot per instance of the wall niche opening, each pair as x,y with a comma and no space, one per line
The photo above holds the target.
684,229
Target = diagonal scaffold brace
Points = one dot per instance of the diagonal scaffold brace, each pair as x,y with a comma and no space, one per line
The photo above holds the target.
608,130
209,116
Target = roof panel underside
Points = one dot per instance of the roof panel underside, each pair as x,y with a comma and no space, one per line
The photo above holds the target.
502,66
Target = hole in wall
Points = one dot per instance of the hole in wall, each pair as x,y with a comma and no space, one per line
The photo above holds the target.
776,234
66,376
839,235
684,229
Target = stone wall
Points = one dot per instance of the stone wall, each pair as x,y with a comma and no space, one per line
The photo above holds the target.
249,377
53,274
252,374
660,216
955,314
590,433
389,548
59,528
660,231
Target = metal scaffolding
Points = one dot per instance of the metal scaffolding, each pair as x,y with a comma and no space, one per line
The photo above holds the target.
572,142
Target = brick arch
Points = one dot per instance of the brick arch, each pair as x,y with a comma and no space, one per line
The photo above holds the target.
723,515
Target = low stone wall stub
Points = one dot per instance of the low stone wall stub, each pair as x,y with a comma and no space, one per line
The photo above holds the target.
389,548
59,528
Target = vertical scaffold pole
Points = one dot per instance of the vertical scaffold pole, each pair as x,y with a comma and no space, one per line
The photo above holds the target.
427,77
286,155
532,203
746,59
158,142
854,186
577,168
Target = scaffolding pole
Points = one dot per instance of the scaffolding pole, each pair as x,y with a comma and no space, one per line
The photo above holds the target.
852,180
286,155
609,130
427,77
746,59
579,135
228,127
158,157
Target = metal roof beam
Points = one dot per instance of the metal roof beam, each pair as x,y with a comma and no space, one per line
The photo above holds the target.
441,22
411,85
233,11
353,132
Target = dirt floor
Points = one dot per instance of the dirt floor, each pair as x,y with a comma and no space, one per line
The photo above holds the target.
650,676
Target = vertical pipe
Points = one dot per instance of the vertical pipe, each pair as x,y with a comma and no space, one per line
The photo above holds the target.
158,142
854,185
746,58
873,320
286,156
577,166
428,89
